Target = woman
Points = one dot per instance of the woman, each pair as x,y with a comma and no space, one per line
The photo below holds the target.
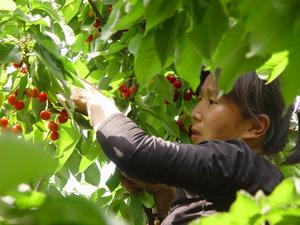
231,134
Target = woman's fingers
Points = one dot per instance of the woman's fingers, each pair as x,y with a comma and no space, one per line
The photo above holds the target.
80,99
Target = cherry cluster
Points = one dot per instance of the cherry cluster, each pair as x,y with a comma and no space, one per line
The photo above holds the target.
97,25
17,129
21,66
187,95
18,104
127,92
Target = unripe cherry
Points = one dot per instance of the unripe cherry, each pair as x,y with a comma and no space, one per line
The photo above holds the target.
35,92
12,99
28,92
45,115
43,96
54,135
19,105
3,122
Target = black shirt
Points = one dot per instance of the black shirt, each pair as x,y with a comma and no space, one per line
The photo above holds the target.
212,171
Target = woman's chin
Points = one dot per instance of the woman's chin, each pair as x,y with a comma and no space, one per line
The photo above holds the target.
196,139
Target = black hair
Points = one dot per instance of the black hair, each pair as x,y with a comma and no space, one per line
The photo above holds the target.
254,97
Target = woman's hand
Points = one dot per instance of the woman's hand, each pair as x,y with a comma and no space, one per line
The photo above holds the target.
163,194
91,101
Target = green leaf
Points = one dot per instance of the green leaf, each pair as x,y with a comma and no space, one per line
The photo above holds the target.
93,151
92,174
286,193
271,69
136,211
290,76
188,62
49,7
21,161
157,11
165,40
8,5
244,201
207,35
29,200
230,56
168,123
66,143
10,53
70,9
271,26
133,13
71,210
146,199
147,62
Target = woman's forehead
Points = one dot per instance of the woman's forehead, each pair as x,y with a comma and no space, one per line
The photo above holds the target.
210,85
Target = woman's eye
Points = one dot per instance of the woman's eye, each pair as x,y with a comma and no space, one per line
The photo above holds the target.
212,101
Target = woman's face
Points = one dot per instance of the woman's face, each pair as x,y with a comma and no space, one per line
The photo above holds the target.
215,118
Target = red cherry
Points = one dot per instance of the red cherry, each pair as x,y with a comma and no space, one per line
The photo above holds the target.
18,65
177,84
23,69
132,90
17,129
171,78
90,38
12,99
52,126
43,96
175,96
62,119
126,94
97,23
28,92
54,135
109,9
188,95
35,92
3,122
64,113
19,105
180,124
45,115
123,88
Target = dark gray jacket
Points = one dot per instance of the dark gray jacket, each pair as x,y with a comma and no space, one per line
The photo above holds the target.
213,171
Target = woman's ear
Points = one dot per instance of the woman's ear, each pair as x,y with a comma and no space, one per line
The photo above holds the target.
257,129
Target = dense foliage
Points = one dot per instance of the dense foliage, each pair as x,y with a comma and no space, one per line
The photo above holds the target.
148,56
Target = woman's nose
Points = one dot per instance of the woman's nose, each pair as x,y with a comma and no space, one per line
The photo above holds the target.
196,113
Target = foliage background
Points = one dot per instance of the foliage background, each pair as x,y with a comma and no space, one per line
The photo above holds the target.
137,43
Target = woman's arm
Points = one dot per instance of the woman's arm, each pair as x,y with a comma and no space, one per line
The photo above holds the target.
211,167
